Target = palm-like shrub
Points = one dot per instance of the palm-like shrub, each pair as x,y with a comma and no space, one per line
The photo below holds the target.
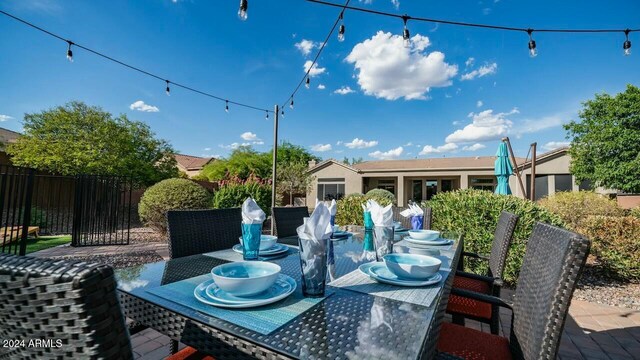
233,192
475,213
170,194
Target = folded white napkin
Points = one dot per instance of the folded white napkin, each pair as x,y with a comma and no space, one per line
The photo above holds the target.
368,204
333,207
413,210
381,216
318,225
251,212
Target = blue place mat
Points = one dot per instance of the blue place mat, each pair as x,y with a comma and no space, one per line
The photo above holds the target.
264,319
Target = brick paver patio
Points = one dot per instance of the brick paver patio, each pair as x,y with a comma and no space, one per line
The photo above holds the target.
592,331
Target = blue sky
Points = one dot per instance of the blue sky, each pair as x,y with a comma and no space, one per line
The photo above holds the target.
454,93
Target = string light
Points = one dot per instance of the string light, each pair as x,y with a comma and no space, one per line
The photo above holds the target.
168,91
226,106
307,83
282,113
242,11
266,116
291,105
406,36
626,46
69,51
533,52
341,28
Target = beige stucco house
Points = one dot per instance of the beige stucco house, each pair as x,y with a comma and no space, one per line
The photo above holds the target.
420,179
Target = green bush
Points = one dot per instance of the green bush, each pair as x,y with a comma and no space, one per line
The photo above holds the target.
349,210
233,194
616,243
383,197
475,214
575,207
167,195
635,212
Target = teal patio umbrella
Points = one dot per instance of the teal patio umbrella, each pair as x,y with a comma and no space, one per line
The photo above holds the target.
503,170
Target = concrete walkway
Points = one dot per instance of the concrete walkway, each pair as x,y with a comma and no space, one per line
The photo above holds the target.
592,331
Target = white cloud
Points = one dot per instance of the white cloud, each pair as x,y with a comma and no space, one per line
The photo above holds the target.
321,86
479,103
428,149
486,11
395,3
408,144
552,145
474,147
321,147
360,144
259,142
484,126
315,70
207,149
305,46
387,155
539,124
469,62
388,70
5,117
249,136
344,90
141,106
235,145
484,70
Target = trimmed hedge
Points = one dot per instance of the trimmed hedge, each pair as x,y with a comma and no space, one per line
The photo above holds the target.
234,194
616,243
475,214
382,196
170,194
349,209
575,207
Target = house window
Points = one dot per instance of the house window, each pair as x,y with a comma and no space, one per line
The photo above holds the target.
542,186
447,185
585,185
564,183
416,186
330,189
488,184
432,188
389,185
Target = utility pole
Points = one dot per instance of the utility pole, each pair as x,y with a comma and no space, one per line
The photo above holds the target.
274,164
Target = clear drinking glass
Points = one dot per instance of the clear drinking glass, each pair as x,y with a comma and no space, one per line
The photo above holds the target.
313,262
251,241
383,240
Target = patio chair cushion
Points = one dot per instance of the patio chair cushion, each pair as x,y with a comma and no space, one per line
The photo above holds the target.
466,306
472,344
189,353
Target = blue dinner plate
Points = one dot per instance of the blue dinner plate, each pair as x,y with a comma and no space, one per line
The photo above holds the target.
202,295
437,242
379,272
282,286
275,250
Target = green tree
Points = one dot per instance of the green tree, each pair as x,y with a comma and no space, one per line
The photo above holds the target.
353,160
605,144
293,178
289,153
82,139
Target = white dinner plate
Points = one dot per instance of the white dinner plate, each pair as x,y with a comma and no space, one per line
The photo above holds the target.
378,271
200,293
275,250
437,242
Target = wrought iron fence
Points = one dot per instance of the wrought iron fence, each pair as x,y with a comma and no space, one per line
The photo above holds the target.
16,191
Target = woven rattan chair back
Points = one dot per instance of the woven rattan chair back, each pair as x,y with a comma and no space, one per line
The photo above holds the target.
71,305
501,241
406,222
287,219
194,232
552,264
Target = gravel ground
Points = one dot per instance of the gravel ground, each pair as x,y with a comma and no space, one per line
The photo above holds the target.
145,235
119,261
596,287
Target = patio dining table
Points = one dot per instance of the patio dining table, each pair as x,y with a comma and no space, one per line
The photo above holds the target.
349,322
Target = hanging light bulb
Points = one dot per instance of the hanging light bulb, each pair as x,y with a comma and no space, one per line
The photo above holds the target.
267,116
242,11
341,28
291,105
69,51
626,46
406,36
167,90
533,52
226,106
307,84
282,113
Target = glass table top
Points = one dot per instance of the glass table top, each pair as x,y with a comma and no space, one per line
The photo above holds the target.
346,324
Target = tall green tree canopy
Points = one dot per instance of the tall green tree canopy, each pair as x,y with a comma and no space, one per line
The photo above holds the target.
605,143
82,139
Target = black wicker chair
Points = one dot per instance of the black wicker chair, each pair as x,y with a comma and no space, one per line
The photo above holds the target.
194,232
491,283
406,222
71,303
286,220
552,264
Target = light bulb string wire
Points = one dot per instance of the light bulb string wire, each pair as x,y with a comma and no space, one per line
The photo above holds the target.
135,68
315,59
406,17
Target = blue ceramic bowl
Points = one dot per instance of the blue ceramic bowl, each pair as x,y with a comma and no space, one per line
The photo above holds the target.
245,278
412,266
266,241
424,234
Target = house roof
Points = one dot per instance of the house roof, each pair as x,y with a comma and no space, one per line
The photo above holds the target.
8,136
478,162
546,156
192,162
328,162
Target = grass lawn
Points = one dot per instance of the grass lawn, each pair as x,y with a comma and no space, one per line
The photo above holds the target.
45,242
